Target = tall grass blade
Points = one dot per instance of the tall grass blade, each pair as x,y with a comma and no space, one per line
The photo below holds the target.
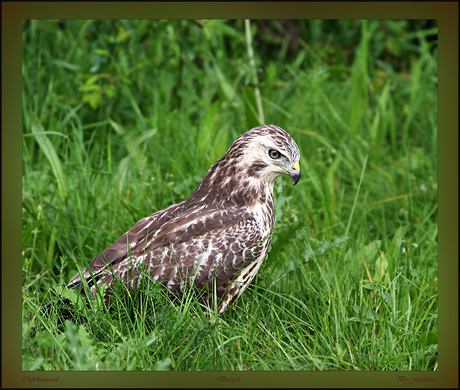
48,150
252,63
356,196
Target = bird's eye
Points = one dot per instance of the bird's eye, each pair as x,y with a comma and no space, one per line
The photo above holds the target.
274,154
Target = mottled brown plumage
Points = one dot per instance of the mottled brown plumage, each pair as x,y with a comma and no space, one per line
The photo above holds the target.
216,240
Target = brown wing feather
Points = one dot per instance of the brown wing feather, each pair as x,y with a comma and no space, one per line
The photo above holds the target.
172,251
118,251
206,259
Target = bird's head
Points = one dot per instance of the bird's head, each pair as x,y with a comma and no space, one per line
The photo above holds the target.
265,153
247,171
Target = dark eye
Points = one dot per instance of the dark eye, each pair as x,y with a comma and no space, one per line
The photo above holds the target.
274,154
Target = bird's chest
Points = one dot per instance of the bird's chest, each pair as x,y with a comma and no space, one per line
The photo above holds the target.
264,216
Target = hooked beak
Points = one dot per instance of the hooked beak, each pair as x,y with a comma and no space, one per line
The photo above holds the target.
294,174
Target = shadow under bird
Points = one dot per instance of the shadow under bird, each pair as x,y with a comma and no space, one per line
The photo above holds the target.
215,241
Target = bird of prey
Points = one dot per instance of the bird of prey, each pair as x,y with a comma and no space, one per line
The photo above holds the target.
214,242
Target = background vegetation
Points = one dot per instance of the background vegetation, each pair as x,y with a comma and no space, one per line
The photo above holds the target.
123,118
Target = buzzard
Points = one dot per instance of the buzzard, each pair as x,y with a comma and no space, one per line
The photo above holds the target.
215,241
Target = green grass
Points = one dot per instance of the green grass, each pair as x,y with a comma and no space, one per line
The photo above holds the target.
123,118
